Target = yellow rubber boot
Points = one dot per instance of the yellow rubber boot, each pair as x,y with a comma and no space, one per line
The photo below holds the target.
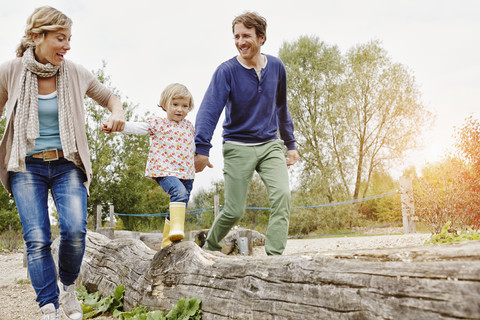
177,221
166,231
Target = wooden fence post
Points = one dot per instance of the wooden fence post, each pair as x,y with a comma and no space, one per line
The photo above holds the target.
106,231
99,217
112,223
408,210
216,204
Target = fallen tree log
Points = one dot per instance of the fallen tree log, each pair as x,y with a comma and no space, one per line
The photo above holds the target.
426,282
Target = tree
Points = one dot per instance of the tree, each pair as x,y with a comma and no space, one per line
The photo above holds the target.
353,114
102,149
385,209
385,108
315,90
467,142
118,163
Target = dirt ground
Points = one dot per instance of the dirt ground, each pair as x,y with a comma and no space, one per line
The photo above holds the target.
17,298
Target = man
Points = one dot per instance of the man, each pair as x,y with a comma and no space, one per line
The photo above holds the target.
252,87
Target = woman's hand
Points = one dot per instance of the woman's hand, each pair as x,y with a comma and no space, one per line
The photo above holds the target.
116,120
114,123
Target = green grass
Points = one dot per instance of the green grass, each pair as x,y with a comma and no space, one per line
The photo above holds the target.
23,281
11,240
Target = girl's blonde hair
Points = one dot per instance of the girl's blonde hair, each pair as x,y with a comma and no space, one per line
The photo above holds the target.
41,21
175,91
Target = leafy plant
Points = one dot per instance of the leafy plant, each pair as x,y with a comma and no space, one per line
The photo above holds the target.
450,235
94,305
186,309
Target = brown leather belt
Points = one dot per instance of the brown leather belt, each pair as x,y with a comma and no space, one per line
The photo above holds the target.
48,155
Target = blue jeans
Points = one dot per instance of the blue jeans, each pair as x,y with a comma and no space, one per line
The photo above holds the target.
178,189
30,189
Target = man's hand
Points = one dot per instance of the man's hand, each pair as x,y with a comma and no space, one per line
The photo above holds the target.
292,157
201,161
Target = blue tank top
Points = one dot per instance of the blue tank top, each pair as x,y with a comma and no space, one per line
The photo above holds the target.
48,122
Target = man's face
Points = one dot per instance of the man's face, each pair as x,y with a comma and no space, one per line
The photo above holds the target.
247,42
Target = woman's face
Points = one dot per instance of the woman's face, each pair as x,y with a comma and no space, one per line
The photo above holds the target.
52,47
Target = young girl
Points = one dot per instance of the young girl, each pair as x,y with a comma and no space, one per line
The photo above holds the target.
170,158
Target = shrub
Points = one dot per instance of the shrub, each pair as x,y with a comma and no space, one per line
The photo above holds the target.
445,193
9,220
450,190
11,240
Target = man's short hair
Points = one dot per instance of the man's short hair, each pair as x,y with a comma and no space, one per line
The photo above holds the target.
252,20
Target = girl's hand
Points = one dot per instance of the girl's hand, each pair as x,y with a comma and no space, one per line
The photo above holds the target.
292,157
201,161
104,128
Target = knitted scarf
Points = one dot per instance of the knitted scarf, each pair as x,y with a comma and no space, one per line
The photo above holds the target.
26,125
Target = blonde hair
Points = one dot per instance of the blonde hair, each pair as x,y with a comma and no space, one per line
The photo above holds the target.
41,21
175,91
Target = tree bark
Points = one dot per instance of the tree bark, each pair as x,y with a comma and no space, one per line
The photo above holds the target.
426,282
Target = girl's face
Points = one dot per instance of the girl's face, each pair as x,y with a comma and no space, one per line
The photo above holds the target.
52,47
178,109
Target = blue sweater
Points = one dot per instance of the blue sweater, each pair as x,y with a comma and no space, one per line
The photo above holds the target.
255,110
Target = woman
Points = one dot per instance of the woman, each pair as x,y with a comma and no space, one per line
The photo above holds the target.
45,147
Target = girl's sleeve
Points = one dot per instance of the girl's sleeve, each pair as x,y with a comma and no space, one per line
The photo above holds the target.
140,128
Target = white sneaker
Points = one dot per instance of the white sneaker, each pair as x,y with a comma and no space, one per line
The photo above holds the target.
69,302
49,312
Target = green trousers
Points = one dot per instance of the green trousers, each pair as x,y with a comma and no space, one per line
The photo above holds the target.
240,162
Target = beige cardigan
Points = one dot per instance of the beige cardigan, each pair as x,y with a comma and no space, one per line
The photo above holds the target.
82,82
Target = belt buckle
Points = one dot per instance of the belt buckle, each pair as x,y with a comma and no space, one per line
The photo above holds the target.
50,159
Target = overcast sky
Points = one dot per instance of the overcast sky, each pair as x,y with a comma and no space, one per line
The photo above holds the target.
149,44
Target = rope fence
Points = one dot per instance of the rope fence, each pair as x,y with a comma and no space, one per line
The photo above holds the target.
211,209
335,203
408,214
